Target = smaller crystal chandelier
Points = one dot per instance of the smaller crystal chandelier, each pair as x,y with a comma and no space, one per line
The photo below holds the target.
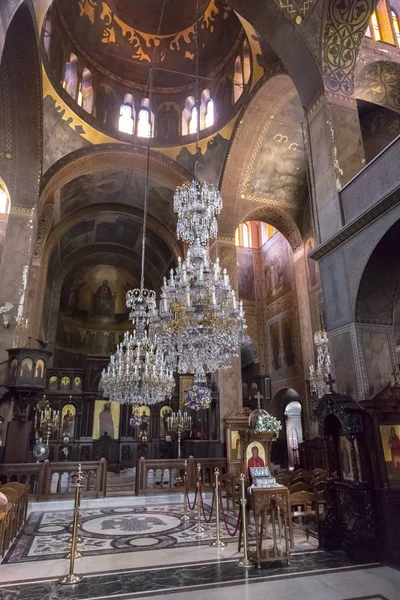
138,373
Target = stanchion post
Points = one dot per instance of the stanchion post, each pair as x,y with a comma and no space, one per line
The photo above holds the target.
185,516
245,561
72,577
217,543
199,527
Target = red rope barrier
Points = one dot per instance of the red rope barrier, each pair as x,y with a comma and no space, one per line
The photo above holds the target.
202,506
224,518
188,500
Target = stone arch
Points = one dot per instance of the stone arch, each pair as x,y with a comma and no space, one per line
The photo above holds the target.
269,101
65,225
108,156
48,322
21,112
278,219
288,41
380,281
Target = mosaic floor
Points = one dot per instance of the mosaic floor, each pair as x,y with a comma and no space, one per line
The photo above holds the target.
137,547
105,530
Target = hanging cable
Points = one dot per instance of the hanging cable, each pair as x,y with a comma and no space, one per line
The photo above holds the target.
149,91
197,99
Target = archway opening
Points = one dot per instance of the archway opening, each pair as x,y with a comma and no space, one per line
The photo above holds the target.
294,430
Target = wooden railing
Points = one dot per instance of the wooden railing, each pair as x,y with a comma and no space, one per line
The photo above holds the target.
50,480
161,476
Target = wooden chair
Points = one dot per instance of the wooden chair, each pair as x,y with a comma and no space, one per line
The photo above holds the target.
319,472
317,480
304,476
23,490
302,505
284,479
4,509
12,513
300,486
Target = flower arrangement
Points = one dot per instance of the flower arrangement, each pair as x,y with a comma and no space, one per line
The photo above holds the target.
198,397
268,424
135,420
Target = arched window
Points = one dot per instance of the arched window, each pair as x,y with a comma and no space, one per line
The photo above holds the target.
194,119
206,110
126,122
5,204
86,91
145,120
375,27
243,235
396,25
70,81
188,123
246,63
238,82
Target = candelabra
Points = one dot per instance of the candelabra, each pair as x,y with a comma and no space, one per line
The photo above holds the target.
179,422
47,420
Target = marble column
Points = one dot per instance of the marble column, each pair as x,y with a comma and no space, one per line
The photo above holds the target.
229,381
14,274
336,155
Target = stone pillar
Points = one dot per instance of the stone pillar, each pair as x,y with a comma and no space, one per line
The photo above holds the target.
229,381
14,272
306,333
336,155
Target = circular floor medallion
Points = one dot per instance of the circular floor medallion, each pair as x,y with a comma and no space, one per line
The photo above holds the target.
136,524
50,528
143,542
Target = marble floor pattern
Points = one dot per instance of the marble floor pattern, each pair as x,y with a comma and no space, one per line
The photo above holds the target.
117,529
137,547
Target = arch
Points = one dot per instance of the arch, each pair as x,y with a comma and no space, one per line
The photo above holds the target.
206,110
87,91
75,218
269,100
287,41
104,156
396,24
20,70
238,79
145,124
70,79
5,201
126,122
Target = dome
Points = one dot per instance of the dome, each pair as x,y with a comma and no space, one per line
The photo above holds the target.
119,38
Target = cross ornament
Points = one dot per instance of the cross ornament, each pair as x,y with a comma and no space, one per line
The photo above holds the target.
330,383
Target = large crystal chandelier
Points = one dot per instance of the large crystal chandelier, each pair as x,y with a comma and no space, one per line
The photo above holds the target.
138,373
200,325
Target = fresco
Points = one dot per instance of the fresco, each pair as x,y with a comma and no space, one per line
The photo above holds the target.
278,262
280,168
246,282
378,360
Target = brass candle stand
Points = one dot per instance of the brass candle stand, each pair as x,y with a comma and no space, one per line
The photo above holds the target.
71,578
185,517
179,422
217,543
199,527
245,561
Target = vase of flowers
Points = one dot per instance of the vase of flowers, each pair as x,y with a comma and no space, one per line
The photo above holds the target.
268,425
198,397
